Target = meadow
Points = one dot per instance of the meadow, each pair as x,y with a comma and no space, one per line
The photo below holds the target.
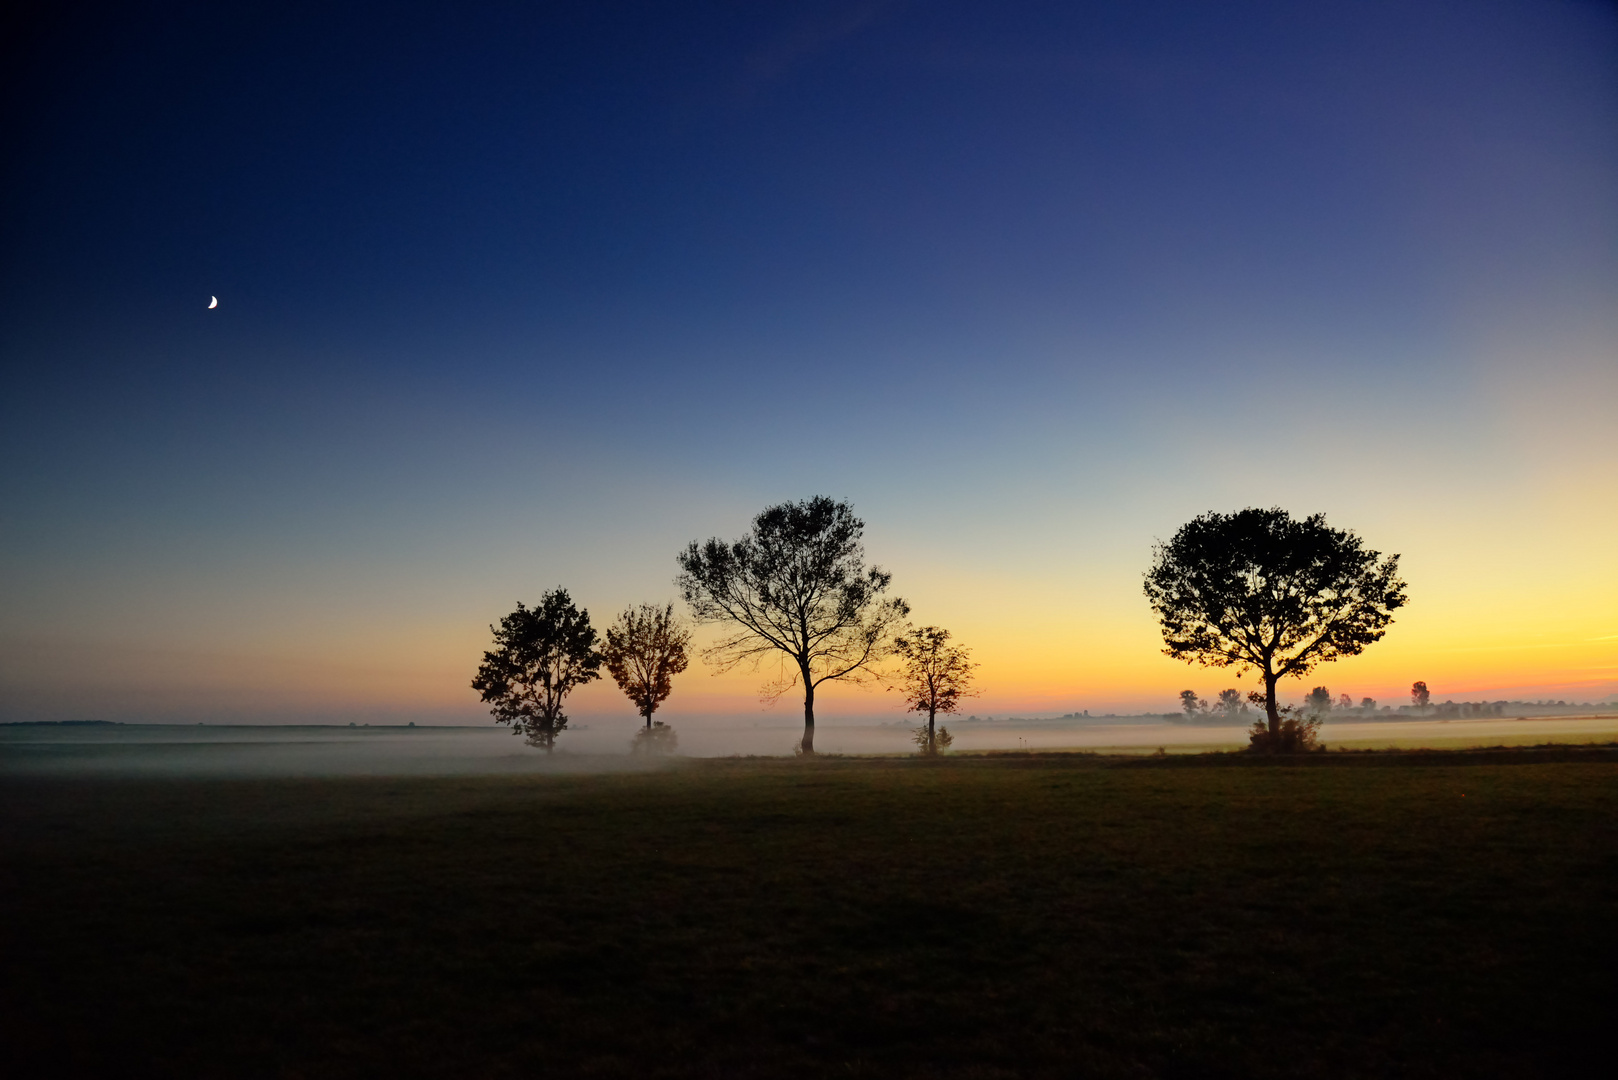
979,916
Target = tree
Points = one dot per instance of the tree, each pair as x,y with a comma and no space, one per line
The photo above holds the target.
796,586
1231,703
1367,705
1256,589
1419,697
1318,703
933,677
1190,703
645,649
541,655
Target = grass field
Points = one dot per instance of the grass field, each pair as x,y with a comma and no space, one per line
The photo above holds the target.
1043,915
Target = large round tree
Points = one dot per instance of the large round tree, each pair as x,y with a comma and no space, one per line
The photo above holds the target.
1256,589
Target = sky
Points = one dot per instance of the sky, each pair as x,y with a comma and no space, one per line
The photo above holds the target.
517,296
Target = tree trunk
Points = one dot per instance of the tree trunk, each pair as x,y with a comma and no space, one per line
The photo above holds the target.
808,744
932,736
1271,712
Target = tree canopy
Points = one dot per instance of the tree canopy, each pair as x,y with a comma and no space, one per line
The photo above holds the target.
645,649
796,587
933,677
1259,589
541,655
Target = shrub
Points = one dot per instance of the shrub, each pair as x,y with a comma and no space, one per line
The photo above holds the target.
1297,734
931,745
657,739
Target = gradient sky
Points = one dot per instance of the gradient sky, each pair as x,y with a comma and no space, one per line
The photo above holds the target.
512,298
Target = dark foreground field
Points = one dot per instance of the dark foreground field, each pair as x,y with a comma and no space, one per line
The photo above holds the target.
1048,916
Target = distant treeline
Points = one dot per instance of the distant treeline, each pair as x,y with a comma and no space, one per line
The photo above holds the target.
1320,705
59,723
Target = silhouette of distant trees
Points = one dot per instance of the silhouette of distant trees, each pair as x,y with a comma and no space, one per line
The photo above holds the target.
1258,589
933,677
1318,702
645,649
796,586
541,655
1419,694
1227,705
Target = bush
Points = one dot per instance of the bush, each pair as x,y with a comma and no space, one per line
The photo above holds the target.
657,739
1297,735
931,746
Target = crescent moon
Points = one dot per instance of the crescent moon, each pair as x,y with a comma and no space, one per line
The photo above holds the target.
213,302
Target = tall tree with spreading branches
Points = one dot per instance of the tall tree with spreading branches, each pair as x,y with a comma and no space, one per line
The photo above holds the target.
645,649
541,655
1256,589
933,677
795,587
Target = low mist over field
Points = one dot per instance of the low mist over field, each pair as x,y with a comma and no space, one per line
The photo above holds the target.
153,750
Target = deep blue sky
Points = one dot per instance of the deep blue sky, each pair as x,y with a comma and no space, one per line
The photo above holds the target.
517,295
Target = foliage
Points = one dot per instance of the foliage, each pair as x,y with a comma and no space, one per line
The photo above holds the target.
1231,703
1295,734
541,655
1190,702
930,742
1256,589
795,587
655,739
645,649
1419,694
1318,703
933,677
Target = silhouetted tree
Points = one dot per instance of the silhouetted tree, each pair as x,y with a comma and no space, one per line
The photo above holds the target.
933,677
1318,703
1368,704
1419,697
645,649
1189,702
1231,703
541,655
1258,589
796,585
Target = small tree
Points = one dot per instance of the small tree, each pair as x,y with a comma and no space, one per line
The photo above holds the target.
541,655
1231,703
1367,705
1258,589
645,649
1318,703
1419,696
796,586
1190,703
933,677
